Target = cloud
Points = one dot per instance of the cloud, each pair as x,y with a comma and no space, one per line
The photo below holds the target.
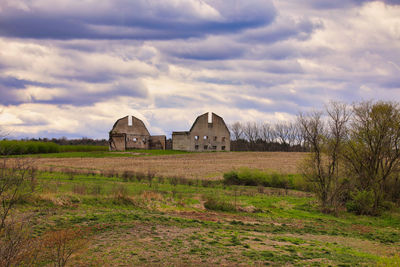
211,48
73,68
123,19
327,4
81,95
283,28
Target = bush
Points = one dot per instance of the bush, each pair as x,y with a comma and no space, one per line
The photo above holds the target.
362,203
254,177
213,203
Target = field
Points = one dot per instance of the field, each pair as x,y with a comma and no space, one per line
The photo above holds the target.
14,147
199,221
189,165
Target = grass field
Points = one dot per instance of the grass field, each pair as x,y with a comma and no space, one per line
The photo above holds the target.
166,220
103,152
170,163
161,223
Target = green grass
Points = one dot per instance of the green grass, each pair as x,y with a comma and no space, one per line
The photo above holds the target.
133,223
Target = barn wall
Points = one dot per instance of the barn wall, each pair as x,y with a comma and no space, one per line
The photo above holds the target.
204,136
180,140
157,142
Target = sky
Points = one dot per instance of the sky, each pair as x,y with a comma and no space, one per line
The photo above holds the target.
73,67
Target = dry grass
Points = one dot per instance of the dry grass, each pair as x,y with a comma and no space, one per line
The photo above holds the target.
197,165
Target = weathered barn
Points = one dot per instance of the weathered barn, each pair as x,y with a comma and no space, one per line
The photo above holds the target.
130,133
208,133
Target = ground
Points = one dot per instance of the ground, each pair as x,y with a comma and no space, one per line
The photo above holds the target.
158,222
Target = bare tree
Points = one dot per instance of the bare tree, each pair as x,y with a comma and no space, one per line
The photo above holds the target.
267,133
292,135
326,141
283,131
236,130
251,133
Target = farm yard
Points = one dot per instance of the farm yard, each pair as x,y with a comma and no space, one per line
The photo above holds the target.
180,212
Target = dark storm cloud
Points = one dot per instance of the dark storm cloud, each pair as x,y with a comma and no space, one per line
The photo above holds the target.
140,19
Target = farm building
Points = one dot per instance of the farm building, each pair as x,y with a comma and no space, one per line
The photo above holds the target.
208,133
130,133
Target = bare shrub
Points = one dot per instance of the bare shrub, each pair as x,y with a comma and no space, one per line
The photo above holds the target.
206,183
173,181
70,173
96,189
121,195
150,176
80,189
110,173
32,173
128,176
14,241
260,189
58,246
14,185
119,190
161,179
140,176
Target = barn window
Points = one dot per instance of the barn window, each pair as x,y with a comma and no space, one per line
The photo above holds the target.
205,147
196,147
129,120
134,139
209,117
215,138
214,147
196,137
222,147
205,137
223,139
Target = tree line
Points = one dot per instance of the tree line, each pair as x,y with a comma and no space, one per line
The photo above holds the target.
65,141
252,136
354,152
355,155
